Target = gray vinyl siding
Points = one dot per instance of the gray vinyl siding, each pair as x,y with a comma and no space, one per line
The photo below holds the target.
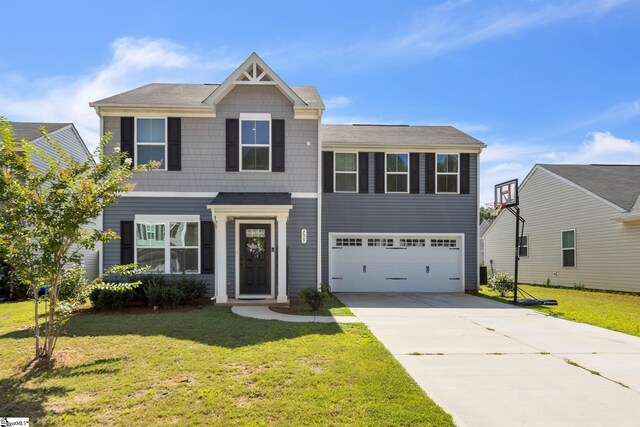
302,257
203,149
607,251
405,213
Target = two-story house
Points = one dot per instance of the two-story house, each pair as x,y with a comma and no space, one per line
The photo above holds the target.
261,199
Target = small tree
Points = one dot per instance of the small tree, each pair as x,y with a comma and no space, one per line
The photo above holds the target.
502,283
44,213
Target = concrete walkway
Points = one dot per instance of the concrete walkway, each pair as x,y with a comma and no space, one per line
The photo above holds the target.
492,364
265,313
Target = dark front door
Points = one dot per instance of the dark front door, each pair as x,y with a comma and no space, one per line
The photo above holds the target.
255,259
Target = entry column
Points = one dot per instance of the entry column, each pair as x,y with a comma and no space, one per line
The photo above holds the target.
221,258
282,258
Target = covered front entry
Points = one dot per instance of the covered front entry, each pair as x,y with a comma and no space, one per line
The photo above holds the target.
260,242
396,262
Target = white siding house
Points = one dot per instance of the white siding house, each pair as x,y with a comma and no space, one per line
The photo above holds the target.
582,228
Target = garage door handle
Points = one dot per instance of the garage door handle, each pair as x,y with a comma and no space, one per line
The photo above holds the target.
427,269
364,268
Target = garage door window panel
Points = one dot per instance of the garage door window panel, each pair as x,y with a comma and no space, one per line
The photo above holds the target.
397,172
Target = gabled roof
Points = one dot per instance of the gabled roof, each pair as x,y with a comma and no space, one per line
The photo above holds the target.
390,135
31,130
618,184
485,226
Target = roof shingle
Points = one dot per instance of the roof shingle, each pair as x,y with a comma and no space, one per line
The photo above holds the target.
31,130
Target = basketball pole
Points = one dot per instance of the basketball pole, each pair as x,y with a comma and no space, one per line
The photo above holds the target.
517,257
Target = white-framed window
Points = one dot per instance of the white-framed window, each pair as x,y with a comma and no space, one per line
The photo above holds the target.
524,246
380,242
255,142
447,173
412,242
348,241
345,166
168,244
397,172
568,245
151,141
444,243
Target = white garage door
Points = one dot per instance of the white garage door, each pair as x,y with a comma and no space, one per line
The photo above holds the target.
395,263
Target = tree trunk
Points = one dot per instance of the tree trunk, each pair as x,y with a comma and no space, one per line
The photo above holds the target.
37,322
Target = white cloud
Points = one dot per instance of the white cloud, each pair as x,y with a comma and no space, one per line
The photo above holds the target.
134,62
336,101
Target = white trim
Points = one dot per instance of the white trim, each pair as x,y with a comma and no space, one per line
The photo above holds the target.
166,220
151,144
575,249
260,117
448,173
169,194
271,250
304,195
365,235
407,173
335,171
478,236
319,205
253,211
413,148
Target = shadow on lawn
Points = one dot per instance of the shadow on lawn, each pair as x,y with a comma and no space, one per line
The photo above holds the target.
209,325
25,395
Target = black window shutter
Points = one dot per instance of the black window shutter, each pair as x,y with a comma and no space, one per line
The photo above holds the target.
127,137
277,145
430,179
174,143
233,145
206,247
379,172
327,171
363,172
414,173
465,175
126,242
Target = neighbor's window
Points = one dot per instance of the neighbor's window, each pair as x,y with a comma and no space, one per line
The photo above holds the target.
176,253
524,246
346,172
569,248
255,142
447,173
397,173
151,141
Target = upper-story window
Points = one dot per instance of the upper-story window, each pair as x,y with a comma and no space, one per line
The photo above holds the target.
397,173
447,172
255,142
346,172
151,141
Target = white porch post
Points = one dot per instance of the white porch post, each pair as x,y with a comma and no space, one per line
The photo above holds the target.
282,258
221,259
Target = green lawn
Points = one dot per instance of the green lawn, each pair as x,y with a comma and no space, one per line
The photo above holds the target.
619,312
332,307
207,366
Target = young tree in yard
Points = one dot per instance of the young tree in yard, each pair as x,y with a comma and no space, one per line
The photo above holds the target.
42,214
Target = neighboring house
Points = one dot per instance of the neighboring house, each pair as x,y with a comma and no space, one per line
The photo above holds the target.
260,199
582,228
484,226
68,137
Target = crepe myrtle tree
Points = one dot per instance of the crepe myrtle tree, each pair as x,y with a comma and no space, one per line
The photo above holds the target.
44,213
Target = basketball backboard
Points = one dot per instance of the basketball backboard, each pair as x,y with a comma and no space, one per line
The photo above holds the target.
506,194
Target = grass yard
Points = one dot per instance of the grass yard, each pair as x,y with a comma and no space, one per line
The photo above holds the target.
332,307
618,312
206,366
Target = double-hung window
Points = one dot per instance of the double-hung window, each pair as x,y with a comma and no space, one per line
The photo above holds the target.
397,173
569,248
177,251
151,141
346,172
447,173
255,142
524,246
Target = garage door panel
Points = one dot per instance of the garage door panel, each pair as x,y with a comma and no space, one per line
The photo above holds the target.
428,266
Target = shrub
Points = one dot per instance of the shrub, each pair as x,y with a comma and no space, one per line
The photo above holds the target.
162,294
192,287
501,283
74,280
110,299
313,297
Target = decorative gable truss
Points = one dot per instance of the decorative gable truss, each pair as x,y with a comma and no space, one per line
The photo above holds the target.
254,71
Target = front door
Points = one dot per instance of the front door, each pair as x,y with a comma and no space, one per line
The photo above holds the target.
255,259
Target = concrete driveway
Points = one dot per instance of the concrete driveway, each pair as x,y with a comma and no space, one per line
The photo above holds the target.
491,364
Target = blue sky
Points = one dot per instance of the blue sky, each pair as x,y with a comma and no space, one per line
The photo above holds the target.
538,81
